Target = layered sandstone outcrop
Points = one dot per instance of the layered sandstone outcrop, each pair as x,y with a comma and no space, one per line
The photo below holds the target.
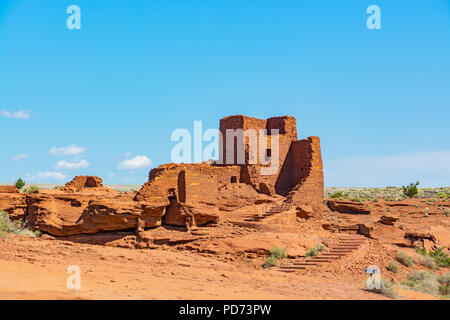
9,189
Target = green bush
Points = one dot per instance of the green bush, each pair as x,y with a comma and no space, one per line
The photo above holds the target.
278,253
31,189
20,183
392,267
404,259
315,251
270,262
411,191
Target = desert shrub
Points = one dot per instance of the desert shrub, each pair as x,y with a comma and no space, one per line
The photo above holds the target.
31,189
387,288
20,183
427,262
278,253
411,190
444,284
440,257
270,262
392,267
338,194
405,259
8,226
315,251
423,281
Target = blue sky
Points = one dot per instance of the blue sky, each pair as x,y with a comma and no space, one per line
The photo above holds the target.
84,101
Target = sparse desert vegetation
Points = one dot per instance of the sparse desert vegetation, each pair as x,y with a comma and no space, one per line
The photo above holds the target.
20,183
8,226
392,267
315,251
405,259
428,282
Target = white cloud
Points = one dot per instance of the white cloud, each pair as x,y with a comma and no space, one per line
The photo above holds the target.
138,162
20,156
64,164
47,175
71,150
431,168
21,114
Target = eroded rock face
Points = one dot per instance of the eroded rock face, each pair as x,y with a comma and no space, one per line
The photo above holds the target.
9,189
387,220
421,237
120,213
238,195
307,172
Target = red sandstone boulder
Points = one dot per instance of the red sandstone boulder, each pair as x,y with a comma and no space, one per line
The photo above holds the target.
181,214
57,214
386,220
421,237
85,184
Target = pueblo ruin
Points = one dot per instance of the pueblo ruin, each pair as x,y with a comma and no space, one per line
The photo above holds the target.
183,195
234,208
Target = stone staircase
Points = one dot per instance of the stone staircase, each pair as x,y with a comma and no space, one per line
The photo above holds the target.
269,211
346,245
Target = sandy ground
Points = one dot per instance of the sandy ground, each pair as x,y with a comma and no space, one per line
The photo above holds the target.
36,269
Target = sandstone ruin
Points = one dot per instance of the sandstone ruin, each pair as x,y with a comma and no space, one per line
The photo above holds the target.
183,195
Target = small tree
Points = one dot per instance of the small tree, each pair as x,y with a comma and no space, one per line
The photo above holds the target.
411,191
20,183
